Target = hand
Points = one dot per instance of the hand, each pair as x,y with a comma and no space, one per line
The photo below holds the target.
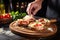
34,7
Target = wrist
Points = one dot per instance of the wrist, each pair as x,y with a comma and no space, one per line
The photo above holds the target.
58,19
39,1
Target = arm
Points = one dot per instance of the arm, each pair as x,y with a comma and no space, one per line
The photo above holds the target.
40,1
58,20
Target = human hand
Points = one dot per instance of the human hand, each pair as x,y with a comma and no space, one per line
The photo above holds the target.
34,7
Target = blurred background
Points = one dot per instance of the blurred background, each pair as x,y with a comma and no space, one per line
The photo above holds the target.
20,5
16,9
16,5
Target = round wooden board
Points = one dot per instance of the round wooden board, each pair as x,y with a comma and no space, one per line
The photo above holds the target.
29,33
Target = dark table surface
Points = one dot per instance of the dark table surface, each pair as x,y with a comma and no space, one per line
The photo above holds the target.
6,34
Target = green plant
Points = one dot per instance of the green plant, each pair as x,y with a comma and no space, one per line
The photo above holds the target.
16,15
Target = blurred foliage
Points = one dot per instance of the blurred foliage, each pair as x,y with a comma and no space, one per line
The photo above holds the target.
16,15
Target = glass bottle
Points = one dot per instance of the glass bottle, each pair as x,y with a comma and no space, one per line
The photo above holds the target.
17,7
2,7
22,9
11,6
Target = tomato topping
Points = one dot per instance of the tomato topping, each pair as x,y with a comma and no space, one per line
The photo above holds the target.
38,25
41,20
23,22
20,22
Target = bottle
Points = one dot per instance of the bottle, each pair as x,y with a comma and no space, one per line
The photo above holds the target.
22,8
17,7
2,7
11,6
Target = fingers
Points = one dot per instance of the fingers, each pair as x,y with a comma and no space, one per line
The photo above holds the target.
37,9
33,8
29,8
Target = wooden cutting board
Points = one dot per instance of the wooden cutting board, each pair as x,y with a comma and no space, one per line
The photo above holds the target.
30,33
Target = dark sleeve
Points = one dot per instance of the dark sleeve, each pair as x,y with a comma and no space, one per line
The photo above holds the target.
58,20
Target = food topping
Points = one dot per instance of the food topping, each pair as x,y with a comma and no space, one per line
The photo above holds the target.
39,24
44,21
50,29
22,22
29,18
